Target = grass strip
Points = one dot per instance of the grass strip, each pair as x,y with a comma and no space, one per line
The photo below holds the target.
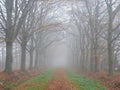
36,83
84,83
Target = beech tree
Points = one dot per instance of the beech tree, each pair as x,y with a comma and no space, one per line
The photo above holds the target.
111,17
97,26
12,16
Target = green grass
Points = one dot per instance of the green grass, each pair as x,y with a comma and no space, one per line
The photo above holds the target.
40,82
36,83
12,85
84,83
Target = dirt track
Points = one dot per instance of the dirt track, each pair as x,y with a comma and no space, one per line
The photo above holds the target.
59,81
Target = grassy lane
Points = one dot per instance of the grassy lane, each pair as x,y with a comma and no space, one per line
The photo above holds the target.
84,83
37,83
57,79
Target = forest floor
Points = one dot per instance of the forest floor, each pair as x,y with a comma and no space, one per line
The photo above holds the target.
7,81
57,79
111,83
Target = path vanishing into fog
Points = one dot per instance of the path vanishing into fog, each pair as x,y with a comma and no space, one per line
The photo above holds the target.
58,79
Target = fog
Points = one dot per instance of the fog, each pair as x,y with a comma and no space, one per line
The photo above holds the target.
77,34
58,54
59,44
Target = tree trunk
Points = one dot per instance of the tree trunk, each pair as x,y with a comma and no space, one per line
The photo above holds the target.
96,55
23,57
110,59
9,57
96,64
36,58
31,59
83,59
91,58
109,45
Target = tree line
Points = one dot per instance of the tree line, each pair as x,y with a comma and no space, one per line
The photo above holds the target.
98,23
24,22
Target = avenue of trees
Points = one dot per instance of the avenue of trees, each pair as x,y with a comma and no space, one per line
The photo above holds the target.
25,24
98,23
